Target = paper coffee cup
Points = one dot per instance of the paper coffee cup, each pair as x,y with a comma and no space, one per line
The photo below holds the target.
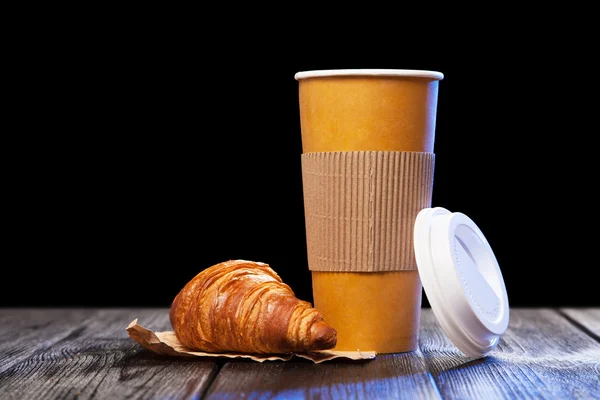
367,140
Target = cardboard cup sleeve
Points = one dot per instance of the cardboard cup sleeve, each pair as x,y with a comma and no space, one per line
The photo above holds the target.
360,208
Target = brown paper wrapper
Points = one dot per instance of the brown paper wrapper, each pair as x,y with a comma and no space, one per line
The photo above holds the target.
166,343
360,208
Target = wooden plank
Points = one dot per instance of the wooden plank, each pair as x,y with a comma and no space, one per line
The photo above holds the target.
86,353
542,355
586,318
387,377
98,359
26,331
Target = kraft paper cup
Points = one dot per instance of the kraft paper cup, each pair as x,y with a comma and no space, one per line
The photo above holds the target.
361,198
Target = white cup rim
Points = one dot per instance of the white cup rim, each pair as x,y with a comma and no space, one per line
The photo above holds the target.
413,73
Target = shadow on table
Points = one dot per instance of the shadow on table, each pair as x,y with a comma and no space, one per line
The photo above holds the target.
392,375
135,365
467,364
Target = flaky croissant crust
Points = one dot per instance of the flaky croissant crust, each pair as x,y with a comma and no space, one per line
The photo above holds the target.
243,306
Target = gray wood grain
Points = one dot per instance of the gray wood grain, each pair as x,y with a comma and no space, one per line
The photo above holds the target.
542,355
97,359
586,318
86,353
24,332
387,377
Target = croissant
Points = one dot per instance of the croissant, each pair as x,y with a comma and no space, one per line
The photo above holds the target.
244,307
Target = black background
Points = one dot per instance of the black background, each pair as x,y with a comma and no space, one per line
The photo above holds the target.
137,160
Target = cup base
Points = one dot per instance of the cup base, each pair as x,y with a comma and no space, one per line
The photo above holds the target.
371,311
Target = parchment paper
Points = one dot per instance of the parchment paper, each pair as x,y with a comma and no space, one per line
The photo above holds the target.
166,343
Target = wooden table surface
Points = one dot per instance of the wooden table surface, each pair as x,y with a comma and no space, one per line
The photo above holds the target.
86,353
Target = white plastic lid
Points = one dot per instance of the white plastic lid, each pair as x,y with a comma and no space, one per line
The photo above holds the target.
462,280
414,73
